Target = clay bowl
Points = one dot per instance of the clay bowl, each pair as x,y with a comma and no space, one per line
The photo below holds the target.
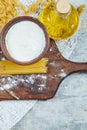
5,31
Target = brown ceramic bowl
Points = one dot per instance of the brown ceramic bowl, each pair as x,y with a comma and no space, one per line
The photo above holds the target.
9,25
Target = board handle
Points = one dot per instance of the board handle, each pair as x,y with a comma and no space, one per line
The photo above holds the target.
72,67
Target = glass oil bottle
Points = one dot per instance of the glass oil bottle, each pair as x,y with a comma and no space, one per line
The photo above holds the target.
61,19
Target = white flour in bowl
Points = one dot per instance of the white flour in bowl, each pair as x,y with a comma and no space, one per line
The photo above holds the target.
25,41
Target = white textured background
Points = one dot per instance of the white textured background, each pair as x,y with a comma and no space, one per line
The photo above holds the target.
68,109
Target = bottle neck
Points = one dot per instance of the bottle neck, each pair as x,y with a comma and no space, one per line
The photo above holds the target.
64,15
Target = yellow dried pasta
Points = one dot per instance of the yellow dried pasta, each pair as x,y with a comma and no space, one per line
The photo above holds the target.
7,67
34,7
8,9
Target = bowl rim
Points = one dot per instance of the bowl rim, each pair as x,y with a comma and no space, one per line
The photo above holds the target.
6,29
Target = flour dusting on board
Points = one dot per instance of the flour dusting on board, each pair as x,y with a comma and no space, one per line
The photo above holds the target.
26,81
54,63
62,73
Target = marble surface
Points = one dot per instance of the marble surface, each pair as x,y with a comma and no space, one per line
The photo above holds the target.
68,109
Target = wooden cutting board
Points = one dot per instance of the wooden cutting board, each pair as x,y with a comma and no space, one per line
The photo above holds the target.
40,86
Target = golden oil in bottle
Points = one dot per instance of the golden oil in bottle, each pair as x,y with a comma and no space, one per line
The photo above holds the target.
59,25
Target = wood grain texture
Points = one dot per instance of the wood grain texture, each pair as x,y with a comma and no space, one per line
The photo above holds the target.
58,69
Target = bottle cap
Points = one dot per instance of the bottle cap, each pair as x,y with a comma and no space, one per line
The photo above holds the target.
63,6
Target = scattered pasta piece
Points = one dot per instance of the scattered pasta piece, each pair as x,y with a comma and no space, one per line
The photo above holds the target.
80,9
